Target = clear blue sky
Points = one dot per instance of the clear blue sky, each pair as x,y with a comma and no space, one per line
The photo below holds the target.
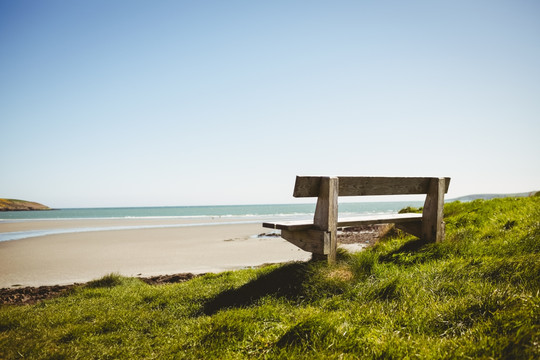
140,103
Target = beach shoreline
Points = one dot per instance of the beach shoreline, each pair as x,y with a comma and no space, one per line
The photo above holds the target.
180,246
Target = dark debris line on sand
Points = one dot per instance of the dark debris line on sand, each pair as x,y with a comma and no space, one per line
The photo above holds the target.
31,295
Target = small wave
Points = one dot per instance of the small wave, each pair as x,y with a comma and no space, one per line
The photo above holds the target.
228,218
178,217
19,235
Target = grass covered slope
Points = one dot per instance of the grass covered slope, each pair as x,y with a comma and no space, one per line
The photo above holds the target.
476,295
20,205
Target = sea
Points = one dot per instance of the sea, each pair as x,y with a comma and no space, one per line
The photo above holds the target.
190,215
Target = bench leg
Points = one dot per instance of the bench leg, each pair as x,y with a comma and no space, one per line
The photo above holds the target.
432,217
331,240
414,228
326,215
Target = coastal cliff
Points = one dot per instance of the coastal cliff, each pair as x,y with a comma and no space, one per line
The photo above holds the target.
20,205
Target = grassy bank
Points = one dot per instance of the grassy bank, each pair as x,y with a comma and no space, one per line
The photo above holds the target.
20,205
476,295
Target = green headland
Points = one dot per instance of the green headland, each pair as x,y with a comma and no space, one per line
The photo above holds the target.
20,205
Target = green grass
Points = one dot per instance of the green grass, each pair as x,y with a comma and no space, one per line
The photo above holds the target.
476,295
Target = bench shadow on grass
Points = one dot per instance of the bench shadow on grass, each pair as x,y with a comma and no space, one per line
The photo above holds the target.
410,247
285,281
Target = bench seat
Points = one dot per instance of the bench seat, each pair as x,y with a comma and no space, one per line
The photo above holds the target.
348,221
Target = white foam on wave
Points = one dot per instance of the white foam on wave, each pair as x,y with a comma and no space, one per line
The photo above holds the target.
19,235
230,219
161,217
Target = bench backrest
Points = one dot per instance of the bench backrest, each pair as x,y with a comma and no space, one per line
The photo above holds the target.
327,189
309,186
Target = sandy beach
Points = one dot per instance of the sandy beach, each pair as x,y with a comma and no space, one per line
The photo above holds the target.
210,246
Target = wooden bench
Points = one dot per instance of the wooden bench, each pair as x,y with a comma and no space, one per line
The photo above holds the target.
320,235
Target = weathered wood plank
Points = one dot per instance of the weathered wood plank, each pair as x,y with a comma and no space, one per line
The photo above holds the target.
361,186
348,221
380,219
309,186
327,204
432,223
298,225
308,240
414,228
326,214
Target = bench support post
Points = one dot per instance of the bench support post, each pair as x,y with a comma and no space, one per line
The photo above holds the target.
414,228
432,216
326,215
308,240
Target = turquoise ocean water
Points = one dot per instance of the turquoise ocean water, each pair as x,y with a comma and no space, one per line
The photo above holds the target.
234,214
278,210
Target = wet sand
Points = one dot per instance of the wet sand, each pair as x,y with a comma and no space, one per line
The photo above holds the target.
83,256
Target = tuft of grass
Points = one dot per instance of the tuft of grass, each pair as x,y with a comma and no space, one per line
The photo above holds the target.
475,295
410,209
107,281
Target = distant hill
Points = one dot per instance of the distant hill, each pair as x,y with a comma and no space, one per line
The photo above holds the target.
494,196
20,205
